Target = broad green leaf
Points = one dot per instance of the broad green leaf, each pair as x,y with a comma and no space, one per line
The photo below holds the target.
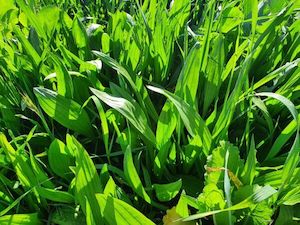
214,71
58,150
64,81
191,119
166,124
36,59
132,176
286,214
232,17
32,17
131,110
182,206
6,6
87,181
80,38
48,17
65,111
20,219
166,192
187,84
216,163
110,188
55,195
117,212
116,66
211,198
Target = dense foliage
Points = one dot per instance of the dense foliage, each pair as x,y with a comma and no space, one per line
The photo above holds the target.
148,112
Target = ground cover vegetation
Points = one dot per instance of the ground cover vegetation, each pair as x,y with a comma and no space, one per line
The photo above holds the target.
148,112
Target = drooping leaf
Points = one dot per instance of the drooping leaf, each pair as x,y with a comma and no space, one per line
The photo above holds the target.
131,110
65,111
191,119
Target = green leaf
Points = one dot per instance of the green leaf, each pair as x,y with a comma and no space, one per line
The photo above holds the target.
166,124
232,17
258,196
292,197
117,212
116,66
214,71
131,110
249,171
104,125
187,84
58,150
286,214
132,176
293,157
33,18
64,82
282,139
216,163
55,195
20,163
48,17
166,192
191,119
20,219
36,59
65,111
80,38
87,181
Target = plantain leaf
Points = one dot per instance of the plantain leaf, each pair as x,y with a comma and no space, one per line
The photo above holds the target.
131,110
20,219
58,150
65,111
87,181
191,119
166,192
132,176
117,212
